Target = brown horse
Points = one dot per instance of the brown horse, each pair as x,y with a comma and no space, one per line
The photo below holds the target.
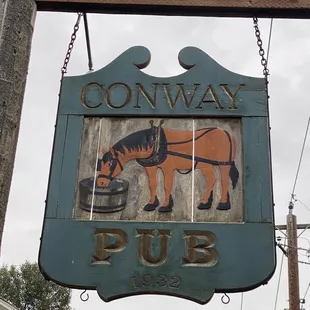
171,150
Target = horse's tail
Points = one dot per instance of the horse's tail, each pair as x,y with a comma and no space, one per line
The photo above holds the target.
234,175
233,172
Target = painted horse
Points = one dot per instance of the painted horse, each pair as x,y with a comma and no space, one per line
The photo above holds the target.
171,150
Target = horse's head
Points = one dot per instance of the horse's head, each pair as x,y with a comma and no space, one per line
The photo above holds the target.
110,168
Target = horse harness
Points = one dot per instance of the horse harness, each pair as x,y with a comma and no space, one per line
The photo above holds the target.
113,164
160,152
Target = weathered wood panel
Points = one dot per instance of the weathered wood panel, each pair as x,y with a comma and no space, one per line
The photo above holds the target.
151,203
100,135
88,158
113,130
235,213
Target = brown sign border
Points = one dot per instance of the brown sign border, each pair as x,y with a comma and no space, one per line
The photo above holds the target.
216,8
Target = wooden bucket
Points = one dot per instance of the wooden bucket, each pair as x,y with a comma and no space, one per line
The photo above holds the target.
106,199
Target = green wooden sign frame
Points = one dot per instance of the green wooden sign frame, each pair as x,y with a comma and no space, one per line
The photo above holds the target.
245,251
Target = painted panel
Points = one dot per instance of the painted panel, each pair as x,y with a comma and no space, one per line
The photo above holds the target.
223,180
143,170
138,186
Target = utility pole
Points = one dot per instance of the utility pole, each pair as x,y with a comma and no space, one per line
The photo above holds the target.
292,259
16,28
292,245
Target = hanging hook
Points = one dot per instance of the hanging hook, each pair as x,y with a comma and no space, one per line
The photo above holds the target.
225,299
82,298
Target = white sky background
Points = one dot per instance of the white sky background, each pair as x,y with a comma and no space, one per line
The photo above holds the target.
232,43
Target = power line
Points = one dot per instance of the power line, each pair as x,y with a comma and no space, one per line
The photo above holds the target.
305,255
300,159
278,286
269,40
303,204
303,262
294,247
308,210
307,291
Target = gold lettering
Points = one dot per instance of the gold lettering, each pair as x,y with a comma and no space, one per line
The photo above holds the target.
200,249
142,90
108,99
211,94
146,244
232,96
181,92
84,95
108,241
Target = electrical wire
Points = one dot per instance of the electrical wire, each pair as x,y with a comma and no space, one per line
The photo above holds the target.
278,285
241,305
303,204
269,40
300,159
294,247
303,262
307,291
283,233
301,254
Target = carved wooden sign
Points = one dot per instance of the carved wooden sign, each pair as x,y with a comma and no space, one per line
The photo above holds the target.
234,8
160,185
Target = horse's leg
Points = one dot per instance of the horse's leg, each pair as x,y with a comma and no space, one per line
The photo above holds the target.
153,202
225,201
207,199
168,174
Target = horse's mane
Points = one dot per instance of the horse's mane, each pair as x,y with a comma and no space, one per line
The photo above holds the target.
137,141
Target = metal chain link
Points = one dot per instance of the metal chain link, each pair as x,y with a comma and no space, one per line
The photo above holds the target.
260,46
70,47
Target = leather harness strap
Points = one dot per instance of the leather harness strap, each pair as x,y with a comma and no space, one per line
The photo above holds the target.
160,153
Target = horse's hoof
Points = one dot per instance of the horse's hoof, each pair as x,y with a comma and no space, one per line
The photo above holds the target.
224,205
167,208
152,206
208,204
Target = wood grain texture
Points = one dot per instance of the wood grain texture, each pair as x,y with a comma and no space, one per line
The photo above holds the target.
112,130
211,8
113,89
283,4
236,213
88,159
128,242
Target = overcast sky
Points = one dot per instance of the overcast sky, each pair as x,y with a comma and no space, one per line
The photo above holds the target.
232,43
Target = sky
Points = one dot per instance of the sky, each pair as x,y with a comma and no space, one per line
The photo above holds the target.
232,43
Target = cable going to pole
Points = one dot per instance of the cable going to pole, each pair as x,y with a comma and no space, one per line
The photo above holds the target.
269,40
299,164
279,280
241,305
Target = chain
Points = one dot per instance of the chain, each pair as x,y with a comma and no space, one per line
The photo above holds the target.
70,47
260,46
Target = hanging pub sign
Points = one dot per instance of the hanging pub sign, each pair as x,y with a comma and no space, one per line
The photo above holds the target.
160,185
